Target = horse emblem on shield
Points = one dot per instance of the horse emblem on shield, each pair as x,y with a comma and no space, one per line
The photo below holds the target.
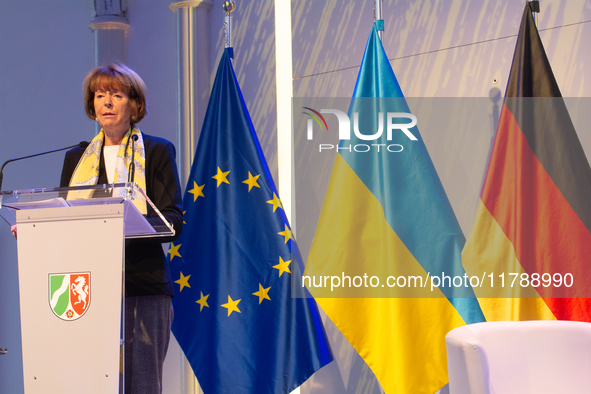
69,294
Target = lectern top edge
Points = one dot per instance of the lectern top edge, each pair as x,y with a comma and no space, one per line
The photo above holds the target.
136,225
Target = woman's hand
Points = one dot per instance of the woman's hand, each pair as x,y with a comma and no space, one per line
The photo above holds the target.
13,230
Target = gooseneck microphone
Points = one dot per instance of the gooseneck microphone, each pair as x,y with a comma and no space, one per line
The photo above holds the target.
82,144
131,176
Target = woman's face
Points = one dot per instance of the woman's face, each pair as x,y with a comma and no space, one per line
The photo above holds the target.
113,110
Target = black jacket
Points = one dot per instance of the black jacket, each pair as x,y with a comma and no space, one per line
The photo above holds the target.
146,269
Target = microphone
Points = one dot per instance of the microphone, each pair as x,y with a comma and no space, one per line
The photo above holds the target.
131,176
82,144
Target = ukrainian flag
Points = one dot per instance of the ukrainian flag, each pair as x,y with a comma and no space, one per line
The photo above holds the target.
386,213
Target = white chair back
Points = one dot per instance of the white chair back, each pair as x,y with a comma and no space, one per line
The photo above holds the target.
524,357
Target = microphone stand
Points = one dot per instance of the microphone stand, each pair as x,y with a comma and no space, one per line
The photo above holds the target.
82,144
131,176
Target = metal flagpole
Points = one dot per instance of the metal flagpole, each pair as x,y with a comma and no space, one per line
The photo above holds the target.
229,6
378,14
535,9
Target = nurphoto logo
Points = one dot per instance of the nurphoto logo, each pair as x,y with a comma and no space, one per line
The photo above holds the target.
344,129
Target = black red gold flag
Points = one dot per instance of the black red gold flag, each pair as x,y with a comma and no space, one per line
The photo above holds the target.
532,227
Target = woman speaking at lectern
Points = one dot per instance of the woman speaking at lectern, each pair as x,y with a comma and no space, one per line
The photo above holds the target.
115,96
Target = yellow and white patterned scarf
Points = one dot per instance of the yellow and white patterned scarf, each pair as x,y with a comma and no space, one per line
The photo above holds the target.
87,170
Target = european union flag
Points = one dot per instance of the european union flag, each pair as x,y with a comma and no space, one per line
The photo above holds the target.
235,319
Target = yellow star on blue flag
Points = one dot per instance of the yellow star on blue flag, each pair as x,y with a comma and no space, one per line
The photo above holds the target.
263,293
183,281
202,301
174,250
197,191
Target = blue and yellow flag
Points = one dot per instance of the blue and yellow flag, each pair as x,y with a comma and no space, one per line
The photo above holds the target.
386,213
234,316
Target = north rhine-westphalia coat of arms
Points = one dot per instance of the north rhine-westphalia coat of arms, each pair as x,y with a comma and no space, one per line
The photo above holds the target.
69,294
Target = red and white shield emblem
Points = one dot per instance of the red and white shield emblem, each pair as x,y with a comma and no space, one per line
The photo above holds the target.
80,292
69,294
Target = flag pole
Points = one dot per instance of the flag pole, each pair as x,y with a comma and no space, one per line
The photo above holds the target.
378,14
229,7
535,9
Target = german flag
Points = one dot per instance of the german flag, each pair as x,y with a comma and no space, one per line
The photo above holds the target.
532,227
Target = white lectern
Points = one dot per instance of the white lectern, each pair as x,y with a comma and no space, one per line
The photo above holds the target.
71,279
